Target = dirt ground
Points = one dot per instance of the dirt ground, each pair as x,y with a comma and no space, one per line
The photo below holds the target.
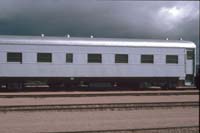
52,121
103,99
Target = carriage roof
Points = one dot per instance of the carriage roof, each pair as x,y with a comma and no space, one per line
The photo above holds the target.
82,41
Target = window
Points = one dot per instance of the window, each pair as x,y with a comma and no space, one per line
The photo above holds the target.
147,59
172,59
69,57
121,58
14,57
44,57
94,58
190,54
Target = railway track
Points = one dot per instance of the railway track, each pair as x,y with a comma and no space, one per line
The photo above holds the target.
98,94
184,129
98,106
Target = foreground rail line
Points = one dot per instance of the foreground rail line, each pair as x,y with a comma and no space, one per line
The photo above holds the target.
98,106
184,129
99,94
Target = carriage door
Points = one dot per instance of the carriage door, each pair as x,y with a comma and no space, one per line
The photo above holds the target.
189,79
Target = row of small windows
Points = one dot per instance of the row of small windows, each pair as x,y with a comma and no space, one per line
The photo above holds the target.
96,58
92,58
41,57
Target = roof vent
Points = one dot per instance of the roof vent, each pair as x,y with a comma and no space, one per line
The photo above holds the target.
42,35
180,39
68,36
91,36
167,39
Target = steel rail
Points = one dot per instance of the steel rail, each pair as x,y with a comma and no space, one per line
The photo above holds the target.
99,94
98,106
183,129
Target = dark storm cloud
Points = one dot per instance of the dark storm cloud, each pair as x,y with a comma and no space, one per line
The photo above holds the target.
82,18
129,19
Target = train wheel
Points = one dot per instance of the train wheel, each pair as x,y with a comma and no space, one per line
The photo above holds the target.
15,86
145,85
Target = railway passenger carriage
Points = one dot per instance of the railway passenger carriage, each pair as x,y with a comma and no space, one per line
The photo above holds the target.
95,62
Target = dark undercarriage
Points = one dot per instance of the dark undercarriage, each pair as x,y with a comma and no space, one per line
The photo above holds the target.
85,83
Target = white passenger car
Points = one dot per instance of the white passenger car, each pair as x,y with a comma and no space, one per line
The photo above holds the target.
95,61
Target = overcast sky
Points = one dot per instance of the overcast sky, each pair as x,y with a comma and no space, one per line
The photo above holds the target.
101,18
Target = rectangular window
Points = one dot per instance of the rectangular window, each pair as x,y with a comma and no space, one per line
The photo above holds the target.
121,58
44,57
147,59
172,59
94,58
190,54
14,57
69,57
